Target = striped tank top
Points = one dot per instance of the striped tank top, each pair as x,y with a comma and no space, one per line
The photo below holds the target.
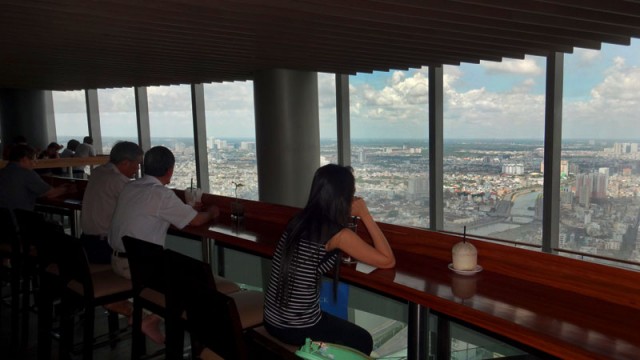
303,306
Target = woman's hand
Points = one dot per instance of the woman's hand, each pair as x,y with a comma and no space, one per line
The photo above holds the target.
359,207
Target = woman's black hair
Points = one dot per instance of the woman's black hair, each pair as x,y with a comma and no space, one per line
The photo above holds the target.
327,211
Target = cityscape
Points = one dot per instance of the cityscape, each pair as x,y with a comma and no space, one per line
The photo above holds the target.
493,188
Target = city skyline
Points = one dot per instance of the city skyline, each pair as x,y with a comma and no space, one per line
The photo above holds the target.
481,101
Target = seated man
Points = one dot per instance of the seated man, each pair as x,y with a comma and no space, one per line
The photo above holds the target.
100,197
144,210
20,185
83,150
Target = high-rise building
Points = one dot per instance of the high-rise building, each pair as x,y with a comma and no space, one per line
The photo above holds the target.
418,187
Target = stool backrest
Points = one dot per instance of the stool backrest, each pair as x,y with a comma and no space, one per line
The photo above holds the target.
29,227
212,317
146,263
72,260
9,230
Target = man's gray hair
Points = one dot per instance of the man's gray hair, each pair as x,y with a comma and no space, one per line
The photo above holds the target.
125,150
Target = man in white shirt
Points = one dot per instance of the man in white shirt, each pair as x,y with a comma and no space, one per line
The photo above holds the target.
83,150
100,197
146,208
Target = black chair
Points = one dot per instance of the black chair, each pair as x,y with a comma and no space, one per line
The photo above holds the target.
187,278
10,255
31,232
146,263
50,286
214,322
87,290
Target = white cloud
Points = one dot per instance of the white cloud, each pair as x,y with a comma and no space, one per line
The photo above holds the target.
613,109
587,57
67,102
527,66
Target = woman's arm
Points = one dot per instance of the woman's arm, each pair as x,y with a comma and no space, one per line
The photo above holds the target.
379,255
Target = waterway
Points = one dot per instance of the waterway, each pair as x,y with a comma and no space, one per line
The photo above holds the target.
522,212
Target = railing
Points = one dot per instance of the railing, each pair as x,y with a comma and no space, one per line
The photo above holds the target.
66,162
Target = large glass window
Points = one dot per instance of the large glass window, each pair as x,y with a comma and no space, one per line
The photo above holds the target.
171,125
117,116
600,207
327,114
231,139
389,144
70,112
493,148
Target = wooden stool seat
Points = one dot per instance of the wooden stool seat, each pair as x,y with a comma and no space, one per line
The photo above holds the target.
260,336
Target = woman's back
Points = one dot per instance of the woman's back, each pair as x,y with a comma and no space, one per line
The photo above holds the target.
297,304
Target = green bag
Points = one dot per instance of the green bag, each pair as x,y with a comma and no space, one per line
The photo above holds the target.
315,350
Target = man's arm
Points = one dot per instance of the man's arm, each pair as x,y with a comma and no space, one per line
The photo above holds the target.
204,217
57,191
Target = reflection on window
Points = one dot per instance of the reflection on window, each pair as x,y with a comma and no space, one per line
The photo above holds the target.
600,177
327,114
493,149
231,135
117,117
70,112
171,125
389,149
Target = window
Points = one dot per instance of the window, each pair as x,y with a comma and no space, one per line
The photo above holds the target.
171,125
327,114
389,148
231,139
493,148
70,111
599,203
117,117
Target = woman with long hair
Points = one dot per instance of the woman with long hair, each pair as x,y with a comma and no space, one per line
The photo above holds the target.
310,247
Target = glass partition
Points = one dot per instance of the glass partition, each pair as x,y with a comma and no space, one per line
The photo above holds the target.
389,144
494,148
70,111
117,117
231,139
327,114
171,125
600,166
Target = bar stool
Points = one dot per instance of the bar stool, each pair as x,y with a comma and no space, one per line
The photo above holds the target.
186,277
87,290
214,323
146,262
31,232
260,337
10,254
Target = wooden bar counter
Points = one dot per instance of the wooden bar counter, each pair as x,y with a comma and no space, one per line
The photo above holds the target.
562,307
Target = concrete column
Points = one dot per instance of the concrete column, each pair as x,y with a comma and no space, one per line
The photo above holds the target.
287,134
24,112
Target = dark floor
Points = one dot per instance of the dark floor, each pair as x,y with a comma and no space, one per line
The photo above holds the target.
27,349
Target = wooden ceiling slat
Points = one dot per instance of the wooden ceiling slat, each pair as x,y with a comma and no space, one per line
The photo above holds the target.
631,8
563,12
72,44
392,12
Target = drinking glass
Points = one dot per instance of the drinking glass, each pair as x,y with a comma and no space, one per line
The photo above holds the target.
353,225
192,196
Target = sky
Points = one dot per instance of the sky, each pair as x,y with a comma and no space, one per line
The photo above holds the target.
488,100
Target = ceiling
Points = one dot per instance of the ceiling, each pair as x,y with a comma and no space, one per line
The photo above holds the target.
76,44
